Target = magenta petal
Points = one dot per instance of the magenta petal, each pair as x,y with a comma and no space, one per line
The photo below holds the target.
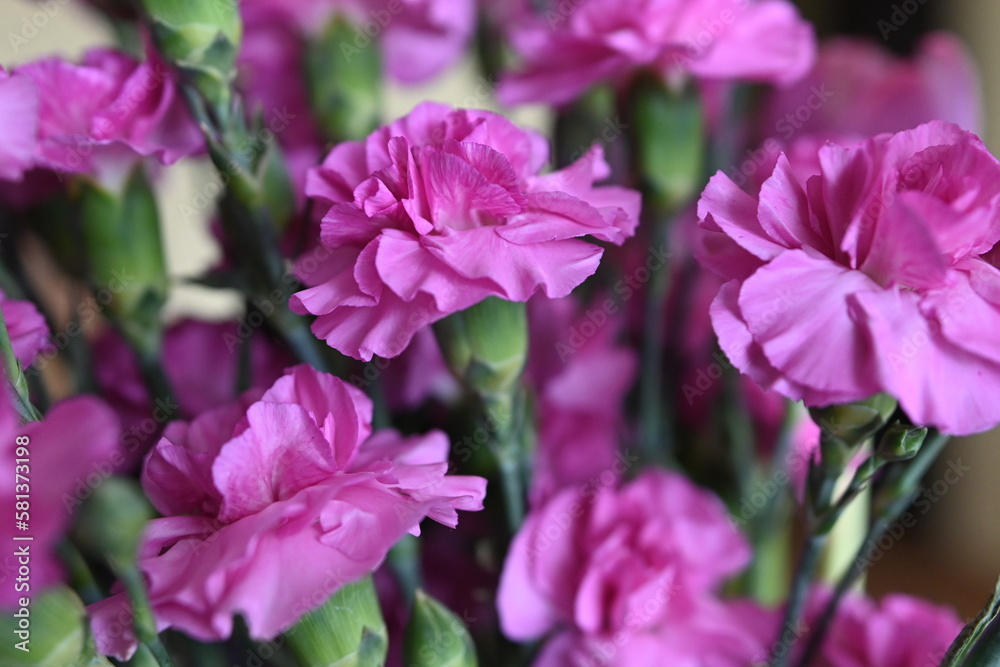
798,297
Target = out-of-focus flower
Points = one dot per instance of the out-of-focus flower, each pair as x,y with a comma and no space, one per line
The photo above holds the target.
607,562
581,376
859,89
872,278
293,475
897,631
573,46
418,38
442,209
29,334
705,633
189,347
76,438
18,125
98,117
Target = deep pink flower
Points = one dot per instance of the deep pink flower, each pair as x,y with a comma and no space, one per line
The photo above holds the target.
870,279
29,334
66,451
18,125
272,503
859,89
572,46
602,561
98,116
189,347
698,633
897,631
572,351
442,209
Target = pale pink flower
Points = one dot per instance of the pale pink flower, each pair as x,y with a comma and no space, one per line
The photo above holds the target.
65,452
859,89
573,351
29,334
442,209
18,125
572,46
272,503
871,278
604,561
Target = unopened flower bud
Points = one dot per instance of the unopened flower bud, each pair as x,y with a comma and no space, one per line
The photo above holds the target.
901,442
486,345
436,637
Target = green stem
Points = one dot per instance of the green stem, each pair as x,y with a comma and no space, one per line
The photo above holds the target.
144,622
781,652
902,479
508,410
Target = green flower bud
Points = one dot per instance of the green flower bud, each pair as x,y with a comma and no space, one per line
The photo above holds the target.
901,442
436,637
52,631
345,83
669,137
121,236
202,38
853,423
486,345
110,522
347,631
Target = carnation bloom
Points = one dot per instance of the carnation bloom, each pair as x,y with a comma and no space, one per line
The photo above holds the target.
607,562
273,503
29,334
573,46
858,89
98,116
871,278
440,210
18,125
897,631
572,351
67,451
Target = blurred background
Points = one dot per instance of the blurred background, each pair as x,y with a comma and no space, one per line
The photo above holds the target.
951,555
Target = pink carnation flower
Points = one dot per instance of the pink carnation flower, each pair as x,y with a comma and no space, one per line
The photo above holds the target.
872,278
897,631
442,209
606,562
272,503
572,351
18,125
29,334
859,89
66,451
97,117
573,46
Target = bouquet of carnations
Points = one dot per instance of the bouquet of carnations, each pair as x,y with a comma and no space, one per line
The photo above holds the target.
680,361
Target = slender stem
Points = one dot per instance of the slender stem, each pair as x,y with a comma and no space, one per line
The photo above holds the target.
904,477
508,410
144,622
656,415
781,653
